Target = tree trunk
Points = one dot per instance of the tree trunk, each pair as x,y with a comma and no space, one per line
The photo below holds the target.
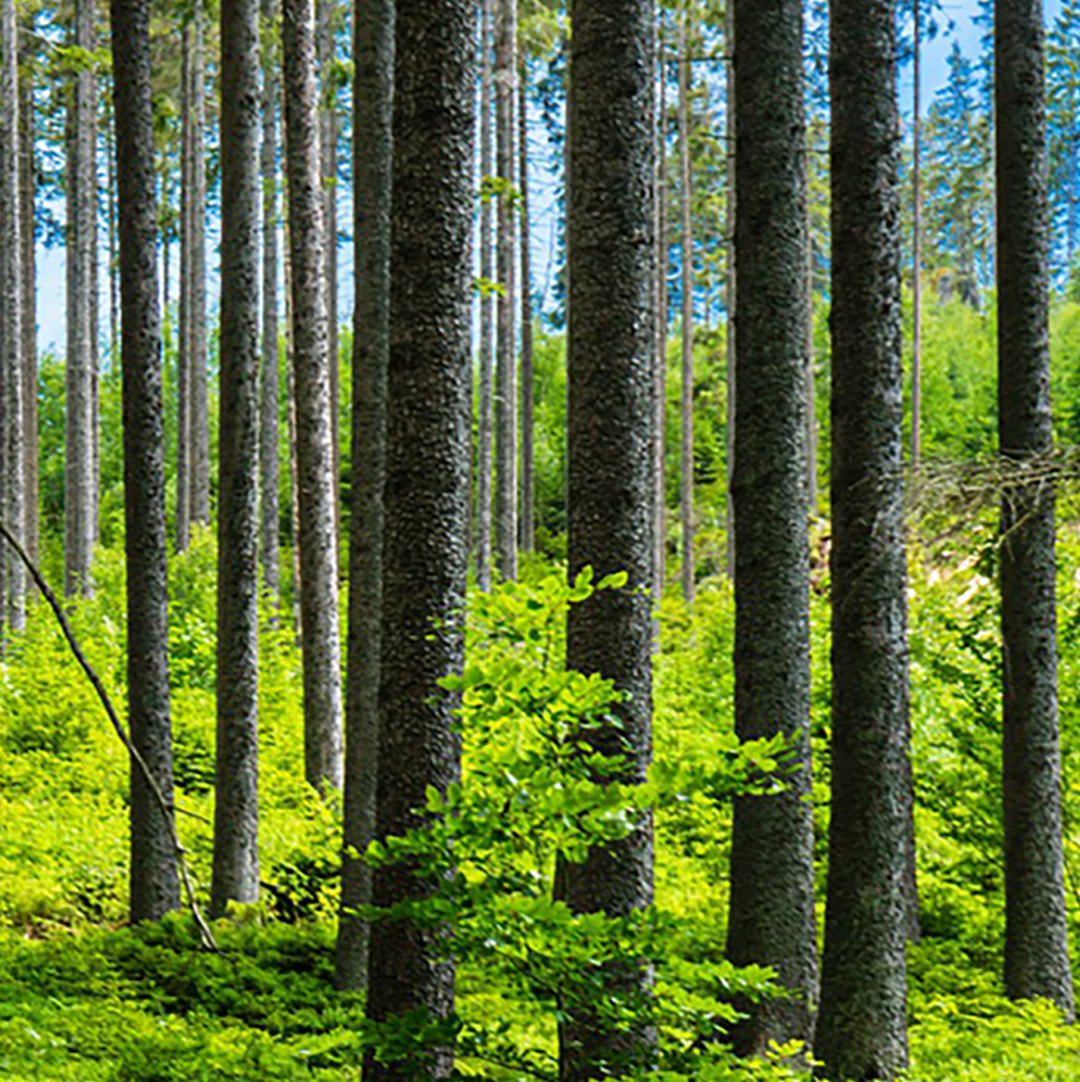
861,1030
916,253
730,335
660,362
236,814
771,918
487,352
372,164
506,361
527,529
28,299
1036,948
686,234
269,381
611,251
155,887
426,492
80,494
183,337
320,640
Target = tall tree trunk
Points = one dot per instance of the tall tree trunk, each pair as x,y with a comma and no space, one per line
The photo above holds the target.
236,812
426,491
686,234
506,538
527,528
28,299
80,494
861,1031
660,362
155,887
1036,947
373,28
611,251
320,640
114,252
183,338
771,918
487,312
916,251
269,376
732,292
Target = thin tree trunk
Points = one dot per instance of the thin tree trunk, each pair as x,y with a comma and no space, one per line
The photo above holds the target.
527,471
916,253
290,414
611,250
506,538
155,884
771,918
426,492
320,640
732,288
487,351
372,167
236,813
861,1030
79,476
28,299
183,350
660,363
1036,940
269,468
686,233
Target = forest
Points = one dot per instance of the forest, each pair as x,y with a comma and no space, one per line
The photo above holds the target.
550,545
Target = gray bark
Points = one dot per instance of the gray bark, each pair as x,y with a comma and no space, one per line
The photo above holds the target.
427,485
28,299
155,887
314,429
372,165
236,816
1036,947
487,312
731,288
771,916
611,252
861,1030
183,345
80,496
506,537
686,236
269,468
527,529
660,362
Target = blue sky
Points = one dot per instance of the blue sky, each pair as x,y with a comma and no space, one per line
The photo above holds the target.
51,262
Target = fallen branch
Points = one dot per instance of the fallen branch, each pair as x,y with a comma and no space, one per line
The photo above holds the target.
206,936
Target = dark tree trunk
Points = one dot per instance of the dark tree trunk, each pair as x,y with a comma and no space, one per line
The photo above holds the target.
611,251
372,163
771,919
527,527
183,337
861,1031
236,813
1036,948
320,639
269,375
660,361
686,239
426,492
487,312
155,887
28,299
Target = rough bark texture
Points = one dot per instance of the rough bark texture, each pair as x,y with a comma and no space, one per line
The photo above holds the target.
686,238
372,163
28,300
1036,949
610,220
80,496
660,359
506,518
487,313
183,338
269,377
427,485
730,289
155,885
861,1025
771,917
320,639
527,473
236,814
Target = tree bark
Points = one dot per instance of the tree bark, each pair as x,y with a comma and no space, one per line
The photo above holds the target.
80,496
660,362
269,469
686,234
320,640
611,251
372,167
426,491
183,338
1036,947
28,299
771,918
527,476
861,1030
487,351
236,815
155,887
